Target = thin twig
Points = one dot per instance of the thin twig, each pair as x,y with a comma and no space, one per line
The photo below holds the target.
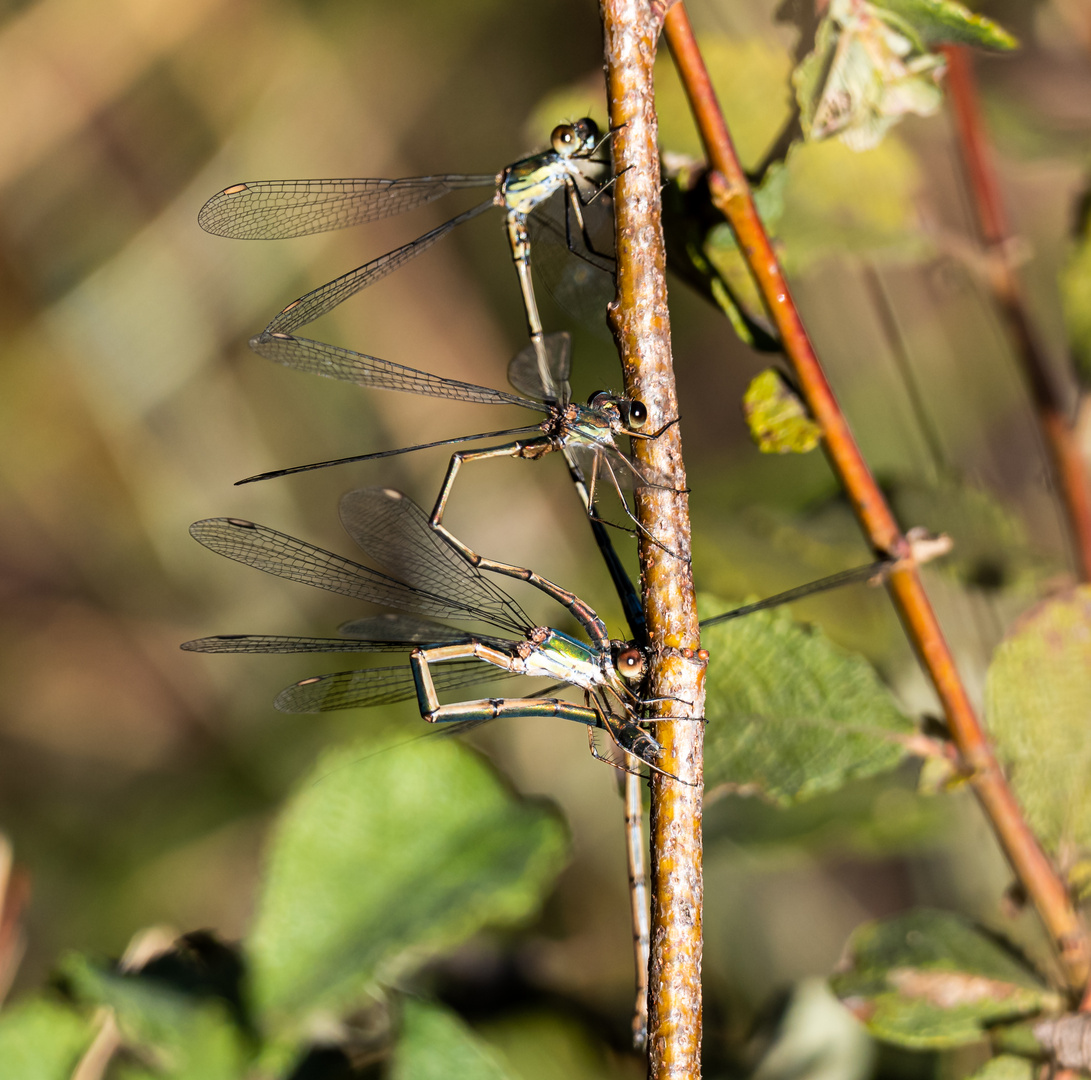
1031,864
1070,471
641,325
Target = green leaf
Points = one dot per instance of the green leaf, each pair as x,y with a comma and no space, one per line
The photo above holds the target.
942,22
932,980
791,715
41,1040
382,860
1006,1067
187,1038
1038,702
865,73
436,1045
1075,283
777,419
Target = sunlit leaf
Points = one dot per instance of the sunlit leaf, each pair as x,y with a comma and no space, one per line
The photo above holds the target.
435,1045
41,1040
1038,702
384,859
791,715
777,418
931,979
866,72
942,22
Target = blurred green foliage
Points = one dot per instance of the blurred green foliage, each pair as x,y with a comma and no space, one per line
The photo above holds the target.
138,783
1038,699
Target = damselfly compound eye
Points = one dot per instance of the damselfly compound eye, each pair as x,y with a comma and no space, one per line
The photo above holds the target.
638,414
630,663
599,397
564,139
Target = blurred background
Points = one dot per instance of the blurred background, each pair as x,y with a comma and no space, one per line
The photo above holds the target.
137,781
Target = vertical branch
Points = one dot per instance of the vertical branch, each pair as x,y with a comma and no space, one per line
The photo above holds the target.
733,198
641,325
1069,469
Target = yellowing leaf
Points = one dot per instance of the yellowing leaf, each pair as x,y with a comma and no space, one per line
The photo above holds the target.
777,419
863,75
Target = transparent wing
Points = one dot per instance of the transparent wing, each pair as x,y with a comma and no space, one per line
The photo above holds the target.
373,633
379,686
411,631
525,375
274,209
285,556
326,297
407,629
577,271
396,533
277,643
318,358
612,468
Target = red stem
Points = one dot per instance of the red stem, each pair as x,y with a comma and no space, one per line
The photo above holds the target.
731,193
1069,468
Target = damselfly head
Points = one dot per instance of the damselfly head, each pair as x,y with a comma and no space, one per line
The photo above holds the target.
629,661
623,413
582,137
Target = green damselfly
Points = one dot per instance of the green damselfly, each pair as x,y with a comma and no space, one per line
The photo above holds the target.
277,209
584,433
426,577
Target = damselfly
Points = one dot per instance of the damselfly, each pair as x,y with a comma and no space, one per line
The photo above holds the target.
585,433
425,577
275,209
